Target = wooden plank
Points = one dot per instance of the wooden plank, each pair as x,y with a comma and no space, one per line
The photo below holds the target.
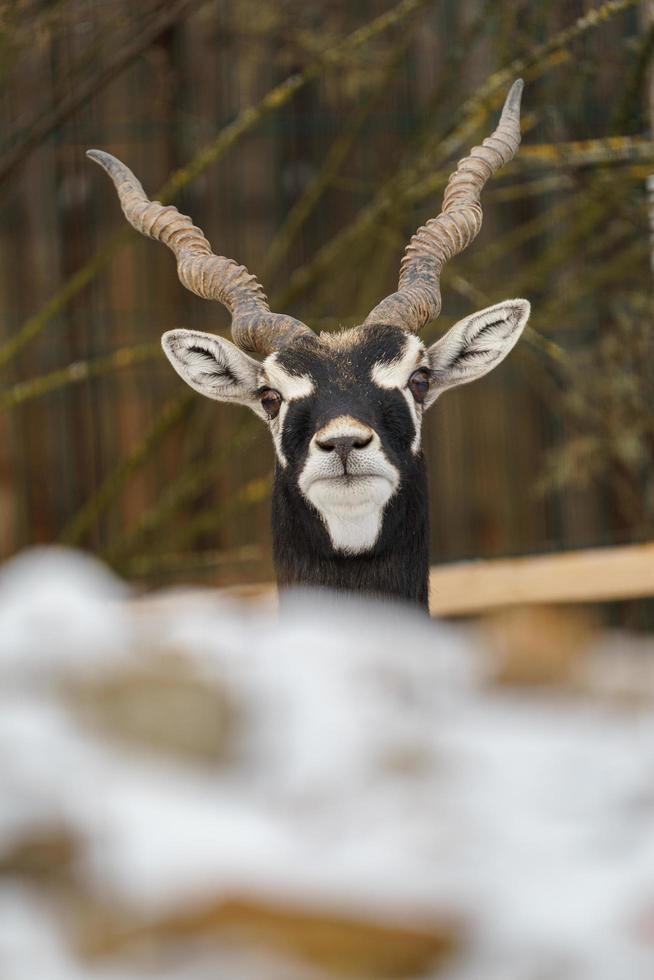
472,587
592,575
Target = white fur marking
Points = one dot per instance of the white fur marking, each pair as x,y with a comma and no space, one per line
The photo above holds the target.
352,512
351,504
290,386
416,415
396,374
276,429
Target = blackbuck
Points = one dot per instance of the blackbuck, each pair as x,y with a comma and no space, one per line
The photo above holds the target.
344,409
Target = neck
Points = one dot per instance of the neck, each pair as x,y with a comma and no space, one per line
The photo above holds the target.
397,567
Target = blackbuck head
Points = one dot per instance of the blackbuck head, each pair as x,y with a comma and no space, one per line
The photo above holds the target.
344,409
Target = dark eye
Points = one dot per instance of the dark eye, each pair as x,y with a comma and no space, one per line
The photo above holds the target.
271,402
419,384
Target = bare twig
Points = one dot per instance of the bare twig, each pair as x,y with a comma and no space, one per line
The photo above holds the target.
443,146
274,99
191,482
114,482
76,372
39,129
143,566
298,215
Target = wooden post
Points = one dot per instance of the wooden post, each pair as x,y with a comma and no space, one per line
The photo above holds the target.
591,575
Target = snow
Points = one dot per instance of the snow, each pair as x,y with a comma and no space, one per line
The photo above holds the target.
367,766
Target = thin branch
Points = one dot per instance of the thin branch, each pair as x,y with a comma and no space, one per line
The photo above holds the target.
274,99
631,95
280,95
337,154
16,39
114,482
210,520
582,153
190,483
143,566
76,372
39,129
443,147
35,324
328,174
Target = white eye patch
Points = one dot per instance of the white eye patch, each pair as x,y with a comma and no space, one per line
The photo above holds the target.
395,375
290,386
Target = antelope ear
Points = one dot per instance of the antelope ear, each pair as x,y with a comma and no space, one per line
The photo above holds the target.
475,345
214,367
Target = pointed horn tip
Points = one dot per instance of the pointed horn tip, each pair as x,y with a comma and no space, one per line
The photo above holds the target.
98,156
110,164
514,97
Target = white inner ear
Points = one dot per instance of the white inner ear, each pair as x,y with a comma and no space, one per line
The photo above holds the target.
475,345
214,367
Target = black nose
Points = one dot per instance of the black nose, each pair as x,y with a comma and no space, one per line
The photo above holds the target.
343,445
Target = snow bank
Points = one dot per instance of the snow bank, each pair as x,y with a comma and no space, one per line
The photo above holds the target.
192,788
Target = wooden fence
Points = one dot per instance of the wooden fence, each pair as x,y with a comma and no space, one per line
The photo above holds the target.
319,195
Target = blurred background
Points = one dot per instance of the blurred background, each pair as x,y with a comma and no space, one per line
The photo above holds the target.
309,139
175,771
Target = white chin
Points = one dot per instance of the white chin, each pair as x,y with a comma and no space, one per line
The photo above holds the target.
352,508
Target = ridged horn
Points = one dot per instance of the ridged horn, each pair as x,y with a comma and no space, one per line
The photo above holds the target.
418,296
254,327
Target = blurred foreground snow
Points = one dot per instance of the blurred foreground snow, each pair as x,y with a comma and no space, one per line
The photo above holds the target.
194,788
